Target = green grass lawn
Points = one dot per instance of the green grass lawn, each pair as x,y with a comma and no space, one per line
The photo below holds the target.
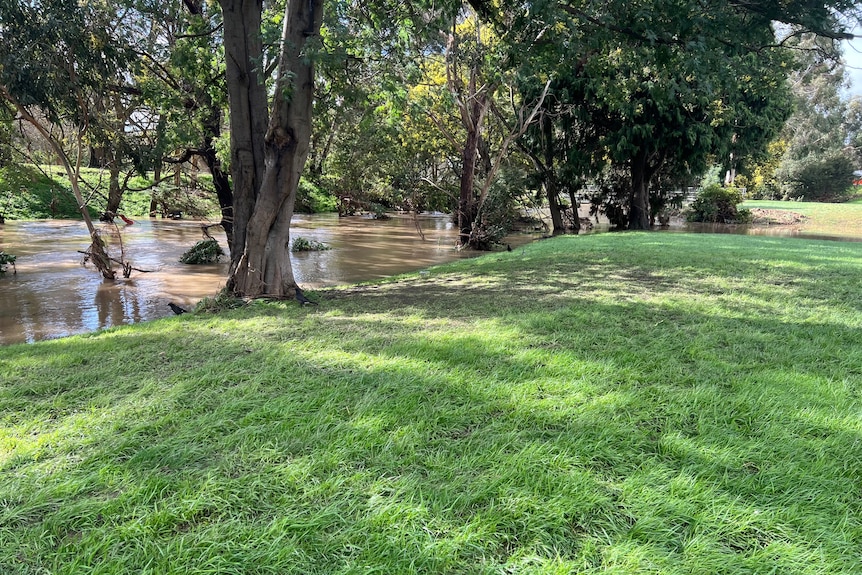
618,403
822,218
29,192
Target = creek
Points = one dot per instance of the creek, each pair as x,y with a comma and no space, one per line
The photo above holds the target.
52,295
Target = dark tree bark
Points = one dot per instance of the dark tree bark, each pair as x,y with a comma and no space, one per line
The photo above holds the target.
639,199
473,118
267,160
644,165
551,189
466,196
248,110
115,191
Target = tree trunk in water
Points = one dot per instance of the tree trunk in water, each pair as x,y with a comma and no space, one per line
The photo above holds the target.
260,261
221,183
467,200
639,199
248,111
551,190
115,193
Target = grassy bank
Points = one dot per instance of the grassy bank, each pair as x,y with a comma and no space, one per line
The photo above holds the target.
618,403
841,219
29,192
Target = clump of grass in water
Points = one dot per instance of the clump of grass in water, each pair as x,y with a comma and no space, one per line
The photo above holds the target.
5,260
204,252
301,244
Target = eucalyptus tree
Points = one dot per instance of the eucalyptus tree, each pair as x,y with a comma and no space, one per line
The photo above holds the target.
821,135
268,147
73,54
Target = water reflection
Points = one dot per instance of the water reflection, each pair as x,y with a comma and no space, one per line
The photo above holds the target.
52,295
801,231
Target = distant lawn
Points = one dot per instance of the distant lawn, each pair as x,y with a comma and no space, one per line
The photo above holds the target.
840,219
619,403
28,192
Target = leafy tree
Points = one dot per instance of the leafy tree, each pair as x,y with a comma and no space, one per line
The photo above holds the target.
820,158
74,54
692,80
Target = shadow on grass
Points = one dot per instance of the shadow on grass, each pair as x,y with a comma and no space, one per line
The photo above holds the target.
578,422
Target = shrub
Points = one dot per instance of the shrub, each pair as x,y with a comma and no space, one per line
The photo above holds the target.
203,252
300,244
6,259
824,178
311,199
715,204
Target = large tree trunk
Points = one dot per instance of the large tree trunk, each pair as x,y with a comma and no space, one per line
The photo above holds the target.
248,111
260,262
551,190
467,198
473,115
639,199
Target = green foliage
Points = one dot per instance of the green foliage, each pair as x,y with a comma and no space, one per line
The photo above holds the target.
301,244
31,192
716,204
28,193
826,177
312,199
5,260
192,202
204,252
819,160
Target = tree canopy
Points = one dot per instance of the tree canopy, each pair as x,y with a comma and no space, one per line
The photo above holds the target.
462,107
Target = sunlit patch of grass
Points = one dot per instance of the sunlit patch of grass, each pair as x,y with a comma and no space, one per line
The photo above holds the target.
627,403
822,218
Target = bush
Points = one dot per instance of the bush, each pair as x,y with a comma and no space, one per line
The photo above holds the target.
715,204
6,259
300,244
203,252
824,178
311,199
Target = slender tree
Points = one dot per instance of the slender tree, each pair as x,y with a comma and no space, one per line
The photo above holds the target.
73,55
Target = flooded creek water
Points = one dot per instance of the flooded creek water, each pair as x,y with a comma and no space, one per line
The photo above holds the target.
53,295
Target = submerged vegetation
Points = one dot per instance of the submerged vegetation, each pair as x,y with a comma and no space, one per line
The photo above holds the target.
6,260
301,244
203,252
626,403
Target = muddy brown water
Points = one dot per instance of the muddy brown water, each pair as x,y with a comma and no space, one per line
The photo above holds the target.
53,295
